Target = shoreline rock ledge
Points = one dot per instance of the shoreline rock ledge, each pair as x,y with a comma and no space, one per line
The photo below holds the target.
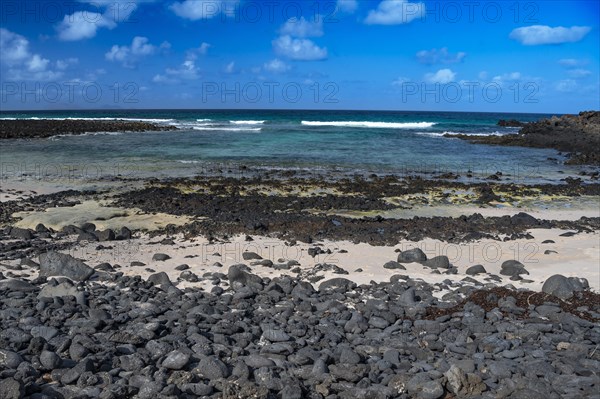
43,128
576,135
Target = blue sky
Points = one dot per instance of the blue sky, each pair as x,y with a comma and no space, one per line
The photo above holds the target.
504,56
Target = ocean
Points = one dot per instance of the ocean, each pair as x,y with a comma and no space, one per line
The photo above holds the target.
329,142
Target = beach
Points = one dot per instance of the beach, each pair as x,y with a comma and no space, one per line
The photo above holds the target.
256,277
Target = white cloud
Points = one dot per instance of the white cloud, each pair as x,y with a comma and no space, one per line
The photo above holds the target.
298,49
186,71
347,6
482,75
118,10
64,64
193,53
22,64
140,46
566,86
571,62
128,55
302,28
442,76
37,63
395,12
117,53
13,47
507,77
203,49
230,68
542,34
204,9
276,66
441,56
83,25
578,73
158,78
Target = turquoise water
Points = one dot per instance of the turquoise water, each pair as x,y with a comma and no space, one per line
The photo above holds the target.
404,143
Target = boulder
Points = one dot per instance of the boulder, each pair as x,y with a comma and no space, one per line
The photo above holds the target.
251,256
512,268
474,270
239,278
438,262
57,264
21,234
338,282
393,265
564,287
412,255
160,257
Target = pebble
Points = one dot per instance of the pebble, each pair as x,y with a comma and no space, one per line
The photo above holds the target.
280,337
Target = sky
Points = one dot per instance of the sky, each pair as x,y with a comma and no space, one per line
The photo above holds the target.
477,56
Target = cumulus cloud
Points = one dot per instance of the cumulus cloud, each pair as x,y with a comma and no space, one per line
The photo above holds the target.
395,12
64,64
83,25
14,47
129,55
186,71
441,56
303,28
276,66
204,9
37,63
21,62
442,76
298,49
542,34
347,6
193,53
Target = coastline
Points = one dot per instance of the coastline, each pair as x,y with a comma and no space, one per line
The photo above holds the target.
213,277
43,128
578,135
381,214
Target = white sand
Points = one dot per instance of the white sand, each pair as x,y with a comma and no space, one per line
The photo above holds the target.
577,256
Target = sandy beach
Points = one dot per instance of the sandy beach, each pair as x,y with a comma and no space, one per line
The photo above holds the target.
230,199
268,267
542,248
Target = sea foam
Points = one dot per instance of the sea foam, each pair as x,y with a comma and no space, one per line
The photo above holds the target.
376,125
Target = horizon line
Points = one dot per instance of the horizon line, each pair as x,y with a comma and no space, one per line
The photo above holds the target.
281,109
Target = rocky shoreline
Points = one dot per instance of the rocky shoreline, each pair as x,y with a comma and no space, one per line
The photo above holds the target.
204,308
307,210
42,128
101,334
577,135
